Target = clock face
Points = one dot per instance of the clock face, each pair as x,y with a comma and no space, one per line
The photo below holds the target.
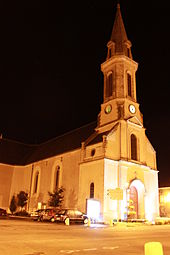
132,108
108,108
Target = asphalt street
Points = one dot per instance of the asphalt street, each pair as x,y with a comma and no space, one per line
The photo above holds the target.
35,238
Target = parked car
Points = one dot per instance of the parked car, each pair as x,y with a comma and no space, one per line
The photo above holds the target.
35,214
71,214
46,214
3,212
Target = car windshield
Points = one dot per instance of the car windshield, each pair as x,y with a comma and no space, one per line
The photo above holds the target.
78,213
62,212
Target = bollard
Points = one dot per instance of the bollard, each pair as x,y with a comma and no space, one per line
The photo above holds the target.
153,248
67,222
89,222
111,223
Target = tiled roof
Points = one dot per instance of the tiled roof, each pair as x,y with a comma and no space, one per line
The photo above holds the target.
15,153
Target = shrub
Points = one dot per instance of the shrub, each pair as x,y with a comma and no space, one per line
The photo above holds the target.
22,198
22,213
13,204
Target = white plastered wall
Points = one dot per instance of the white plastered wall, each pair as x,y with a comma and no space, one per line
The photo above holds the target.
110,182
92,171
151,195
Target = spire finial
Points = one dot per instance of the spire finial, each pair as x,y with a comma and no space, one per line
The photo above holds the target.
118,4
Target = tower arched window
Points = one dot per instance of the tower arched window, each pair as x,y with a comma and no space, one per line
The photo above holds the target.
57,176
129,84
133,147
109,53
128,52
109,85
92,190
36,182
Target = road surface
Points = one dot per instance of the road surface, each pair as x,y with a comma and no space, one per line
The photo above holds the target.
19,237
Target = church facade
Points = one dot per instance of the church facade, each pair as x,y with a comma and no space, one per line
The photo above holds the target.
106,167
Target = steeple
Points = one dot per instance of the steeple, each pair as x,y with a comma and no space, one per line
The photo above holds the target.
119,43
119,70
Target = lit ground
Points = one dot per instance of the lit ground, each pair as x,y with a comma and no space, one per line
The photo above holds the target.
33,238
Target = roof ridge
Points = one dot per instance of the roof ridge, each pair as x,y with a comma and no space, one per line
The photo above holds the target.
18,142
69,132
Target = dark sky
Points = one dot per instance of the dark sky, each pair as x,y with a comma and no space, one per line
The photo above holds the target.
50,58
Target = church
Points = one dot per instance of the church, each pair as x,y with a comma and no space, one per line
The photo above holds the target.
105,167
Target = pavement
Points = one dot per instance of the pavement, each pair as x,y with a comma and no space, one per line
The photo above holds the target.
23,237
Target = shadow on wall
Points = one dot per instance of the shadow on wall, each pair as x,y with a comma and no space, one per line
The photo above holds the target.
35,200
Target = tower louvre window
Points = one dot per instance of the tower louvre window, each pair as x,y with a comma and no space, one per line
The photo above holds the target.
129,83
133,147
128,52
92,190
109,53
109,85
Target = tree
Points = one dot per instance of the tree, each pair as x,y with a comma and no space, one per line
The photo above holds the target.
56,197
13,204
22,199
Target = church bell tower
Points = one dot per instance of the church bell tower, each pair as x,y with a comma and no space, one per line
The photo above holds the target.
119,70
118,160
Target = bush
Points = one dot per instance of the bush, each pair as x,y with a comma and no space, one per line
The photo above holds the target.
13,204
22,197
22,213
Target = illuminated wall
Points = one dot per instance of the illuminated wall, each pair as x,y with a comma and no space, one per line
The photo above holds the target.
6,174
91,172
110,182
124,175
164,200
24,178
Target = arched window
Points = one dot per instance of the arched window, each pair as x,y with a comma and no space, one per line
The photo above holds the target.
109,53
129,83
109,85
92,190
128,52
57,176
133,147
93,151
36,182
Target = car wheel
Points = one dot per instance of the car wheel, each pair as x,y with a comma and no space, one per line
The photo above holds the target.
67,221
40,218
85,221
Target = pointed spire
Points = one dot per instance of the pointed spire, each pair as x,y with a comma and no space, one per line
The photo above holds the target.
119,36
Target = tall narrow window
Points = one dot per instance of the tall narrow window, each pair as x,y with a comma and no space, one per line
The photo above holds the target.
92,190
109,85
36,182
128,52
57,175
110,53
133,147
129,82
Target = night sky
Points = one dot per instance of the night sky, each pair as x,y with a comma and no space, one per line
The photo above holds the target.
50,76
